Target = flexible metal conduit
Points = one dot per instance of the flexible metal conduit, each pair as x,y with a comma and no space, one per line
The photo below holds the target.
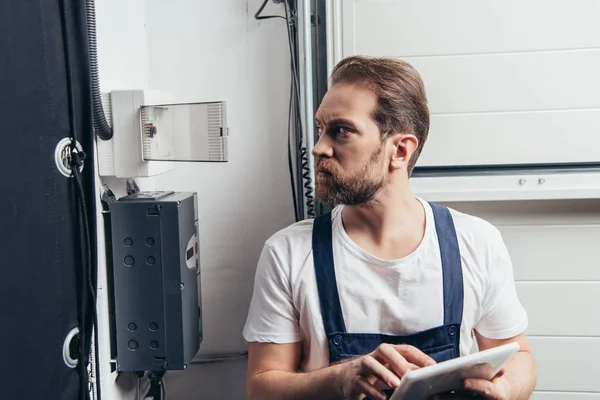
103,130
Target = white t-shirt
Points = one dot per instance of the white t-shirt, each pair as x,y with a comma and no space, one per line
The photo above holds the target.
396,297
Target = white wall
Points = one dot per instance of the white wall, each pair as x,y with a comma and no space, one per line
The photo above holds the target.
122,44
205,51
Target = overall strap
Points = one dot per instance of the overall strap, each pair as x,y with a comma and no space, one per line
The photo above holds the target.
331,310
451,265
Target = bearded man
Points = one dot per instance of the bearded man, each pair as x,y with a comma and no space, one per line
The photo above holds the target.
344,305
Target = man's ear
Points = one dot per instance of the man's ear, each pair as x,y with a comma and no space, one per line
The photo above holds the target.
404,145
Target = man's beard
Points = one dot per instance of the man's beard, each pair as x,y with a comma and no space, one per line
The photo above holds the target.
357,189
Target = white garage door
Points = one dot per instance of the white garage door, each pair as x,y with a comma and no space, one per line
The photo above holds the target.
509,82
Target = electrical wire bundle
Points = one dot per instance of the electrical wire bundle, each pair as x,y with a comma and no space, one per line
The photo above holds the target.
86,294
295,131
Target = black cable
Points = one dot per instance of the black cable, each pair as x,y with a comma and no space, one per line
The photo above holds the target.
294,113
290,113
157,389
305,167
103,130
294,93
295,72
85,272
87,249
86,229
289,152
293,108
260,10
81,293
291,103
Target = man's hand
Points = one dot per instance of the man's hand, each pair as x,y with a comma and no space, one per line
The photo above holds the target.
496,389
516,381
383,368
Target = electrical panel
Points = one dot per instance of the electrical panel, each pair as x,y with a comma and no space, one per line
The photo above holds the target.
156,280
151,133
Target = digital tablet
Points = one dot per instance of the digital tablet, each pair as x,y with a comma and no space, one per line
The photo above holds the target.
447,376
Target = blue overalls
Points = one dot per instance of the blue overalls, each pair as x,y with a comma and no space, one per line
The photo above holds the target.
440,343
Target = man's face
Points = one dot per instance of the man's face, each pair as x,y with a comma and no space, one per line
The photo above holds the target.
350,154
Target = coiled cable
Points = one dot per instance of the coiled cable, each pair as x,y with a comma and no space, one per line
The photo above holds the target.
308,191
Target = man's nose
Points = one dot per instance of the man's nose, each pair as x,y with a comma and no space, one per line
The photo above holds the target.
323,148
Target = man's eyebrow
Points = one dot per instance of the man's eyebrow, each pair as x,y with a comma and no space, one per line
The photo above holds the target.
337,121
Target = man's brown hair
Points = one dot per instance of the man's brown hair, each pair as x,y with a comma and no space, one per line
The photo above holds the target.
401,98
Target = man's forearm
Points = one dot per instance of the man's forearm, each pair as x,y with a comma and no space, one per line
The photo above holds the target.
520,374
322,384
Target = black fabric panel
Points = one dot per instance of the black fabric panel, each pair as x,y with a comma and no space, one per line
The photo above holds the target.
38,237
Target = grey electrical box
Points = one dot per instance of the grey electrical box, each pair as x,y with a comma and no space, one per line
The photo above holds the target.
158,318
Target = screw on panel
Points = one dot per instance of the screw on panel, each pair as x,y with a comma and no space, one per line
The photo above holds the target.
522,181
541,181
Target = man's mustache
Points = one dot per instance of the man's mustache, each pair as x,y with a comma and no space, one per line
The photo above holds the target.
324,166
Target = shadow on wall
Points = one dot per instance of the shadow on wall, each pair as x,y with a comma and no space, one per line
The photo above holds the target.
209,381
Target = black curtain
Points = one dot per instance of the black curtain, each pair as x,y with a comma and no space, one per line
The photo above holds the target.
42,256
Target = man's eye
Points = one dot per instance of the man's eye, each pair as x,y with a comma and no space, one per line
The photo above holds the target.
340,131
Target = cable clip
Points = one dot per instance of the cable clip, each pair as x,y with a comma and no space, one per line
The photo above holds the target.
69,156
77,158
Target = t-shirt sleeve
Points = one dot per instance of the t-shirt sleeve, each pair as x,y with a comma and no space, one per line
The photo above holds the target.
272,316
503,315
